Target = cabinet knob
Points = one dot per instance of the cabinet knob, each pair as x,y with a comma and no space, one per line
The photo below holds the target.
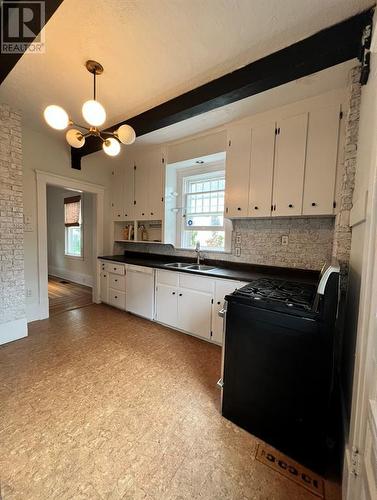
239,208
173,293
314,204
118,215
115,268
152,213
255,208
290,205
126,215
218,303
116,296
180,294
116,281
142,214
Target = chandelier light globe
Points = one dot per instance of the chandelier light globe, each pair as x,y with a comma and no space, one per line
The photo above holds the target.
126,134
111,146
94,113
75,138
56,117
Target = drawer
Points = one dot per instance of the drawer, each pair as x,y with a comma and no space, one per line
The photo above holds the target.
117,282
117,299
198,283
167,277
110,267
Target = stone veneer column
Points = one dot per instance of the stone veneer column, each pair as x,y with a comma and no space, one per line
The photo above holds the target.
12,287
343,232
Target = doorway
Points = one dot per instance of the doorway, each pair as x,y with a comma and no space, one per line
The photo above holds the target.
46,181
70,222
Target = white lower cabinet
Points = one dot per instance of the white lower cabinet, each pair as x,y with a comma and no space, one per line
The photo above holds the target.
222,288
113,284
167,304
194,312
191,303
187,302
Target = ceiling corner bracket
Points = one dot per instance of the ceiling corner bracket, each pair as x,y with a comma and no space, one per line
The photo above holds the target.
365,45
75,160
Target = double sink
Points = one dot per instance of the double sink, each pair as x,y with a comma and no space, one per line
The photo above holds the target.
190,267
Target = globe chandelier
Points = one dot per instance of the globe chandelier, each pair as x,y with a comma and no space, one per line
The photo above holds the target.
95,115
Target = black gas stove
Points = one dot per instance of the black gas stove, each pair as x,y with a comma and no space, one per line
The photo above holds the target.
280,295
278,368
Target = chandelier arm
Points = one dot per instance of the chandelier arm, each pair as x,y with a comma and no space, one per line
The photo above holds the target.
78,125
94,86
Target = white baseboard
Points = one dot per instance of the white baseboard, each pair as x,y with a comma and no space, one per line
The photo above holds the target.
33,312
75,277
13,330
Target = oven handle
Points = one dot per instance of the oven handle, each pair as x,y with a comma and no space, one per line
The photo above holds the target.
222,312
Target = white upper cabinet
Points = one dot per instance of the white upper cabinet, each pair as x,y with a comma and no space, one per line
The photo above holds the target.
289,171
148,185
321,161
155,185
261,169
237,171
117,192
129,179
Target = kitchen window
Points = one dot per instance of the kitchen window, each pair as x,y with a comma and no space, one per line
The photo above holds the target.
73,227
203,214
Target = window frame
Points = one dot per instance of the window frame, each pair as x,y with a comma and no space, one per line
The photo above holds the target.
201,174
66,236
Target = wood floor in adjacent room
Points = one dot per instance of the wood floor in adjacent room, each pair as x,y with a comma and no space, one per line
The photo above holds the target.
100,404
64,295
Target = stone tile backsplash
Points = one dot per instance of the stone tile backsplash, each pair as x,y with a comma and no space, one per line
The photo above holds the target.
309,245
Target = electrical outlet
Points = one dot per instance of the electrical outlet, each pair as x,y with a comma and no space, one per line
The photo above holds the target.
284,241
28,292
238,252
238,238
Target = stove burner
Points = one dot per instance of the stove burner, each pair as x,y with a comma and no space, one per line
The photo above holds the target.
292,294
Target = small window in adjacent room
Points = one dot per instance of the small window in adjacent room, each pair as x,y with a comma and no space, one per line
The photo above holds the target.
73,227
203,221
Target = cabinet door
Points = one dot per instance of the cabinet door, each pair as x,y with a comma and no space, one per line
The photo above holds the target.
194,312
129,189
321,161
261,169
141,187
104,286
117,184
155,185
222,288
166,304
290,165
237,171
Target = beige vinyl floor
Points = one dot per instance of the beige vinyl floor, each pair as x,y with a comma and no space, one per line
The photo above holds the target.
100,404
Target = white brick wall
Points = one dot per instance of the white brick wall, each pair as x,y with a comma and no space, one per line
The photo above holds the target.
343,232
12,287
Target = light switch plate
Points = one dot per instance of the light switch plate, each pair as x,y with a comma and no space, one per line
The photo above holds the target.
284,241
238,252
238,238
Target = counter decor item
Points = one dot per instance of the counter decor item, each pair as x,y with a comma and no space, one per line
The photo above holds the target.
126,233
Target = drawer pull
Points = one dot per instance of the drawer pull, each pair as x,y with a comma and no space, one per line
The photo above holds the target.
314,204
173,293
239,208
180,295
116,296
290,205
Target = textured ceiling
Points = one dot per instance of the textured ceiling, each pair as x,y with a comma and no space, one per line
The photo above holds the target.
153,50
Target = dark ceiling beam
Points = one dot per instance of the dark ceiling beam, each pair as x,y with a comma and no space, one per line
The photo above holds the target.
8,61
328,47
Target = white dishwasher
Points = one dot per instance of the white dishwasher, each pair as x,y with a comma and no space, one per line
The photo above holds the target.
140,291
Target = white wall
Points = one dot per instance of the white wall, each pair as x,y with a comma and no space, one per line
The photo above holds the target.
76,269
52,154
358,334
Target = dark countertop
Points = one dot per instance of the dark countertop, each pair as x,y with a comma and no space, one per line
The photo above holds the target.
224,269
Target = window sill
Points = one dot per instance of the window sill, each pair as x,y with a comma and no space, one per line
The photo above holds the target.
74,257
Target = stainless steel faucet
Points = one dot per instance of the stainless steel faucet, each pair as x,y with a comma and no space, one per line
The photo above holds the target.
197,250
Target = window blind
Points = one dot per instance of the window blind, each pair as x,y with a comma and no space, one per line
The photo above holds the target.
72,211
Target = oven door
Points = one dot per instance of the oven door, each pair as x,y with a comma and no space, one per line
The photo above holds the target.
220,383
